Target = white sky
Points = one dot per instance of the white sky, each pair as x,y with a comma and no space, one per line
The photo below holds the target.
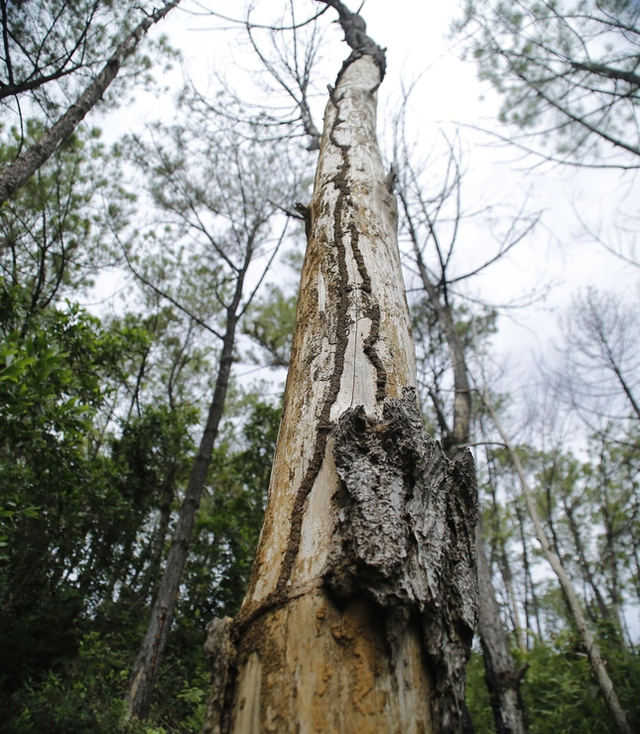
417,38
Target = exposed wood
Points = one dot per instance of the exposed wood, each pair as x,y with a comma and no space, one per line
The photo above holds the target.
336,634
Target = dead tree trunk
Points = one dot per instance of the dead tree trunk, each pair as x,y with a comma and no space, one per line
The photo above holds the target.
361,604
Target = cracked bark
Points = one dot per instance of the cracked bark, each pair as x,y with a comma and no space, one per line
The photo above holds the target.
336,633
501,676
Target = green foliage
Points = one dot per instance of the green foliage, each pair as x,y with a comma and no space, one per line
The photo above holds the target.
53,49
477,695
558,689
53,229
561,695
84,695
56,492
270,323
69,641
230,518
565,68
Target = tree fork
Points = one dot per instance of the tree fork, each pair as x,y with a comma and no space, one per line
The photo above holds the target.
361,603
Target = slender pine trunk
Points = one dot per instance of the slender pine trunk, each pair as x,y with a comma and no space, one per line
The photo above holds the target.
590,646
147,665
21,170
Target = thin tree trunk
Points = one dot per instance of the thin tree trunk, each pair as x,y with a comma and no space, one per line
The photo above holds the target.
459,436
156,545
527,574
21,170
591,647
151,653
610,556
584,563
505,569
502,678
361,602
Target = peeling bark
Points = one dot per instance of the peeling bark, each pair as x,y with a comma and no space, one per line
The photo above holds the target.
328,639
405,536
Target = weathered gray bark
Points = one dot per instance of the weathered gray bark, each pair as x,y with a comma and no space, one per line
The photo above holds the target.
361,604
21,170
404,510
220,652
502,678
503,681
147,665
590,645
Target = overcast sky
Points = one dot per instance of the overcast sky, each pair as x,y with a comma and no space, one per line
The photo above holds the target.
559,255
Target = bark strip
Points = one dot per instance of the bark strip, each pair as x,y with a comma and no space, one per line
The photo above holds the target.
406,537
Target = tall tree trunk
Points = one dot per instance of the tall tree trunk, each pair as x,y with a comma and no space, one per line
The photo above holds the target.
147,665
501,677
21,170
582,560
505,565
361,604
155,549
589,644
530,600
